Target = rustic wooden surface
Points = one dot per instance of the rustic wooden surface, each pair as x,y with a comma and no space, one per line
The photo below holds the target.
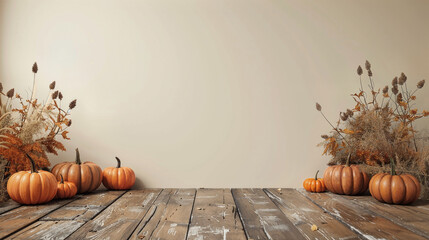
214,214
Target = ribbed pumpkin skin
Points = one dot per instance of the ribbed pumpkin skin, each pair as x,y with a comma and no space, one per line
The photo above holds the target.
314,184
66,190
118,178
396,189
86,176
26,187
348,180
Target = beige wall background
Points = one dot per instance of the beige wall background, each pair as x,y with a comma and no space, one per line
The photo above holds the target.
209,93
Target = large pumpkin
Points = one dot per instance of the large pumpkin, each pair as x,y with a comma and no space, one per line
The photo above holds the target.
118,178
32,187
314,184
346,179
396,189
86,176
65,189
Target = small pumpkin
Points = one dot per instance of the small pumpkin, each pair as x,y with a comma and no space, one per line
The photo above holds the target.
118,178
346,179
86,176
314,184
32,187
396,189
65,189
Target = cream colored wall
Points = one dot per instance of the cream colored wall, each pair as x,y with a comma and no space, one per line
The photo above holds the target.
209,93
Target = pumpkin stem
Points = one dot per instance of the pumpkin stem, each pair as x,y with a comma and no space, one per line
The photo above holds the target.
315,178
33,166
62,179
119,162
348,160
78,157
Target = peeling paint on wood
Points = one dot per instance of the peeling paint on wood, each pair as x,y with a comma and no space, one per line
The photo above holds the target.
366,223
117,221
23,216
214,216
261,218
303,214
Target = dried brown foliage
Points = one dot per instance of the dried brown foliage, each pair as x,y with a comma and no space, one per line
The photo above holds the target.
381,128
30,127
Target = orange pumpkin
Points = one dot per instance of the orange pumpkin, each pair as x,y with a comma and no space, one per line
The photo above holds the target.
396,189
65,189
86,176
345,179
118,178
314,184
32,187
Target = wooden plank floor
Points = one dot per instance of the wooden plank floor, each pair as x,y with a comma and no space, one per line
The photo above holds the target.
214,214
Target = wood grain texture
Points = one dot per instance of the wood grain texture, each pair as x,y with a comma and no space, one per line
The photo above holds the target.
8,205
303,214
364,222
261,218
119,220
413,217
48,230
85,207
23,216
214,216
168,217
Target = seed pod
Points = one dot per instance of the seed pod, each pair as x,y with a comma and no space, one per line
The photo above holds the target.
344,116
324,136
349,113
367,65
10,93
421,84
385,89
72,104
370,73
395,89
52,85
359,70
399,98
55,95
395,81
402,79
318,107
35,68
69,123
60,96
1,87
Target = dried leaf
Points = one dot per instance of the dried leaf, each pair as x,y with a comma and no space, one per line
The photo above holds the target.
64,134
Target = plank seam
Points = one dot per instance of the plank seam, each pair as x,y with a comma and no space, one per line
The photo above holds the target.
237,210
36,220
192,214
337,218
85,222
416,231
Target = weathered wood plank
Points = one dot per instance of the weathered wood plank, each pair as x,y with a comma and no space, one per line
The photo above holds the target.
59,224
168,217
411,217
8,205
261,218
48,230
364,222
303,214
23,216
120,219
85,207
214,216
